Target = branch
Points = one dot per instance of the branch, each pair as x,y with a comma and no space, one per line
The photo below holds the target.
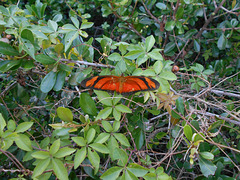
88,63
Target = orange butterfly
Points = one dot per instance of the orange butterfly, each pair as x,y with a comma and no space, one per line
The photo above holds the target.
122,85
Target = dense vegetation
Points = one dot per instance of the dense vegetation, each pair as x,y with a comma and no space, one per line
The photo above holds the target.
52,127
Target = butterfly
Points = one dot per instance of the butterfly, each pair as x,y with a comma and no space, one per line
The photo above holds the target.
122,85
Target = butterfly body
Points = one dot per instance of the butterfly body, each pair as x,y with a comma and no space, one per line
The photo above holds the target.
122,85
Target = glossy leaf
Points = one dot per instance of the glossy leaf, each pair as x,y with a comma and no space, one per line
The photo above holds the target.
41,155
122,139
121,156
103,114
222,42
188,132
149,43
60,80
48,82
23,126
79,140
23,142
59,169
111,173
100,148
79,157
65,114
137,170
44,59
65,151
94,159
207,167
107,126
7,49
87,104
123,108
102,138
90,135
40,167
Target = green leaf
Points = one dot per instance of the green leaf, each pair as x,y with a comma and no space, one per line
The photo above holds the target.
104,98
206,166
59,169
137,170
52,24
142,59
85,25
188,132
133,54
116,114
7,65
100,148
154,54
122,139
115,57
116,126
149,43
158,66
70,36
27,34
23,142
207,155
90,135
123,108
79,157
83,33
2,122
111,173
75,22
139,138
11,125
189,34
179,13
102,138
151,176
170,25
161,6
121,155
41,155
7,49
28,47
121,67
94,159
65,114
112,145
60,80
55,147
23,126
48,82
40,167
196,46
130,176
180,105
65,151
168,75
79,140
222,42
169,47
107,126
103,114
87,104
44,59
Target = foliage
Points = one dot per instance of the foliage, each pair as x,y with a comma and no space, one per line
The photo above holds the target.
51,128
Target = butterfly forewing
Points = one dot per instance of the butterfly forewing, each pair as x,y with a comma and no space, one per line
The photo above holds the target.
123,85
